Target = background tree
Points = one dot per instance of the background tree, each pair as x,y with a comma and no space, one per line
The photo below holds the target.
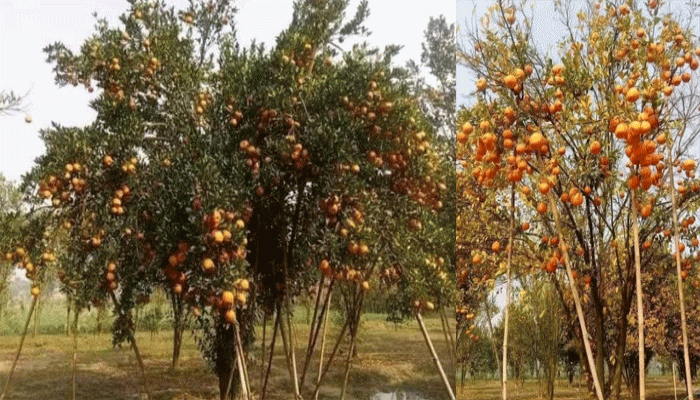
439,57
12,219
584,135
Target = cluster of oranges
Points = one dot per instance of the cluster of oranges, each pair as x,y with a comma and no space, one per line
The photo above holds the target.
172,271
220,239
229,300
110,281
202,103
252,155
298,155
129,166
344,273
302,60
21,256
236,115
59,190
121,195
153,66
347,218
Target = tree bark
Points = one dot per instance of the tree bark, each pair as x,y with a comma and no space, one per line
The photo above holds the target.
229,382
36,316
178,329
68,318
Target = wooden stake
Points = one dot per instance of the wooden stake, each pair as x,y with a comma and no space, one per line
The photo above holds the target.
681,297
448,342
438,364
239,363
577,300
19,348
75,350
675,391
292,348
262,349
239,344
357,312
640,303
504,374
272,353
330,359
314,331
288,352
323,347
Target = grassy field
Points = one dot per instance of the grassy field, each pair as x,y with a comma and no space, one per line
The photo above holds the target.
658,388
391,358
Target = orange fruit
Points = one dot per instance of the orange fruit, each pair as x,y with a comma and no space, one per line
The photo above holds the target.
208,265
227,299
542,208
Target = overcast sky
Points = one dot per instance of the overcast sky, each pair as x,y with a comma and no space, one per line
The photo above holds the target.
27,26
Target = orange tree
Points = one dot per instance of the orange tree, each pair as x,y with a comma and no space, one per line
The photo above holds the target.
590,140
236,177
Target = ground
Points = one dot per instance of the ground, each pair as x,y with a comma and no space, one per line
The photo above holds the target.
658,388
392,358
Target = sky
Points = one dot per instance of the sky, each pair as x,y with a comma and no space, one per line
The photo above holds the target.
27,26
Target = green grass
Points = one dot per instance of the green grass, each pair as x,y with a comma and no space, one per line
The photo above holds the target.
391,358
658,388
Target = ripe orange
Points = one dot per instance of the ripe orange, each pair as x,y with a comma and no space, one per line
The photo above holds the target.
481,84
541,208
243,284
226,299
208,265
536,140
510,81
230,316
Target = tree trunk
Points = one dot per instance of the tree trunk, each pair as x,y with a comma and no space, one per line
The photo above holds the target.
229,382
68,318
36,316
178,329
100,318
493,338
